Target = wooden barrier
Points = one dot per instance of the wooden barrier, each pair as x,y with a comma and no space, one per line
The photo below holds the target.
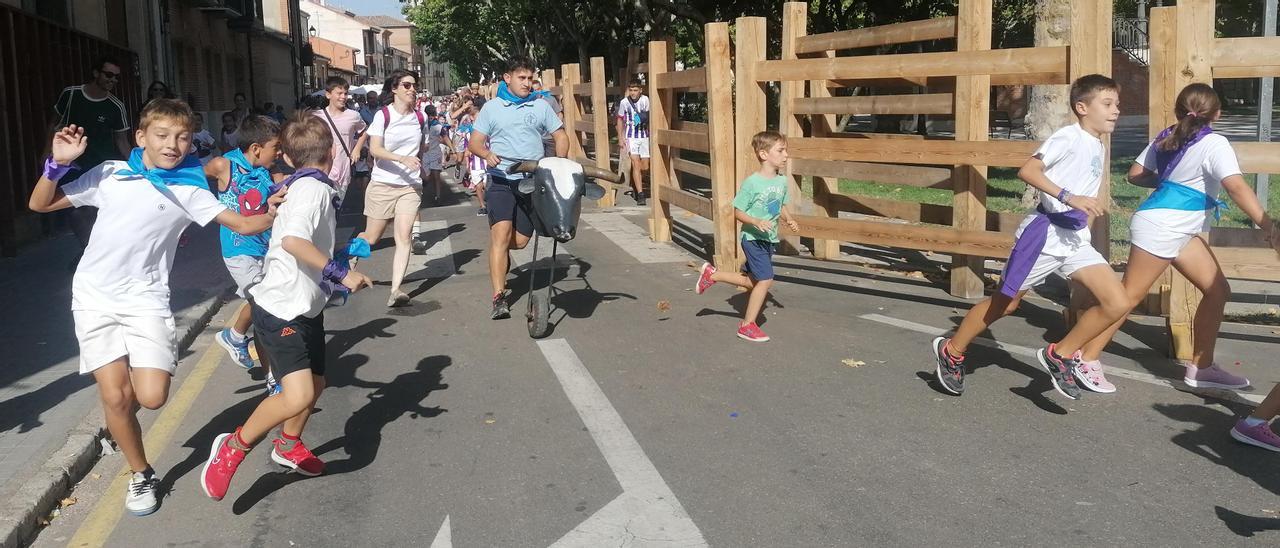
954,83
669,135
1184,51
586,113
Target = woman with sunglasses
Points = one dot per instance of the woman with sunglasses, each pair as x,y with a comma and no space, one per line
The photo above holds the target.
394,193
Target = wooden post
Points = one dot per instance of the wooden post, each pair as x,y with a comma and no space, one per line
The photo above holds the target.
600,119
794,25
572,111
973,104
720,132
660,155
1194,20
821,126
1160,98
749,117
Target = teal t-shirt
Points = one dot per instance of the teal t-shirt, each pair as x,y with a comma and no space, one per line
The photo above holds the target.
762,198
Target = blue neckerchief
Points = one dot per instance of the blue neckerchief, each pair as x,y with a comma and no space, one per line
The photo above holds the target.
242,169
464,129
511,99
188,173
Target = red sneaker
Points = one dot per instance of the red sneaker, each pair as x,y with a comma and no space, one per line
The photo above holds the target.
215,477
752,332
704,278
299,458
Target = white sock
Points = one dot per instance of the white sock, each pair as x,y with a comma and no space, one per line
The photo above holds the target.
236,336
1253,421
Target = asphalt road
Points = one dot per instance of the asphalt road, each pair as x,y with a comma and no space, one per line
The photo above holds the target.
643,421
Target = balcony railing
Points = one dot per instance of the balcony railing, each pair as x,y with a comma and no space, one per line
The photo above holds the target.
1130,35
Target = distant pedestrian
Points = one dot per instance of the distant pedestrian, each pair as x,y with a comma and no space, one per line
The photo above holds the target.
227,140
202,140
348,133
102,116
369,107
633,135
288,313
241,110
759,205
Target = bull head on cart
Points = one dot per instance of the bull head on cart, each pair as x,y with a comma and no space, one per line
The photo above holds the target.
555,192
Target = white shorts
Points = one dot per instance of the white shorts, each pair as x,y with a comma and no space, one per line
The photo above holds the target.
1157,239
478,177
148,341
1045,265
638,146
245,270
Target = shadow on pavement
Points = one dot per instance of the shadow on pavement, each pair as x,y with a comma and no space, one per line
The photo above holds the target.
1210,438
24,410
1246,526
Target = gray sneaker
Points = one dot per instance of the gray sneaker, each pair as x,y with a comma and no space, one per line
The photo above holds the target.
501,309
140,499
950,369
1061,370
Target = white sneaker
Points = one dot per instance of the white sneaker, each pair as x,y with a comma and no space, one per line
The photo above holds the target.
140,499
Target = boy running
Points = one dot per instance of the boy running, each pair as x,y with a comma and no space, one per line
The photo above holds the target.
289,310
348,133
120,292
1067,170
758,206
244,181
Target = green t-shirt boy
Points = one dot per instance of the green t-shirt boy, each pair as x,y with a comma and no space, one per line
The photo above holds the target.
763,198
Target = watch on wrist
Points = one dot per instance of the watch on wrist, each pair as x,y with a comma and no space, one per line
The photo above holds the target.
1064,196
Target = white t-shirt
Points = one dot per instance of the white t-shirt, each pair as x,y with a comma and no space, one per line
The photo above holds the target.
126,266
435,142
289,289
401,137
1072,160
1203,168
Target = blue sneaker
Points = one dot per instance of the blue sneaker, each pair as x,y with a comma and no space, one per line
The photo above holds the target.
239,352
273,387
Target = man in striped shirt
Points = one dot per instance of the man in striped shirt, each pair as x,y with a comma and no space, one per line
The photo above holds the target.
633,134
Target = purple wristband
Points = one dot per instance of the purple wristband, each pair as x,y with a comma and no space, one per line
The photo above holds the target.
54,171
335,271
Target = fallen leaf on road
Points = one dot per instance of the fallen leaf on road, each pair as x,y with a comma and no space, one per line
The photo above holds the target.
490,421
69,501
96,475
664,305
691,264
853,363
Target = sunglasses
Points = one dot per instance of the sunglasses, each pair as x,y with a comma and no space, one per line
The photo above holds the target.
408,85
110,75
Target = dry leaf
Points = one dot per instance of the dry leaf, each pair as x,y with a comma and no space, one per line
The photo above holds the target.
490,421
69,501
664,305
916,274
853,363
691,264
96,475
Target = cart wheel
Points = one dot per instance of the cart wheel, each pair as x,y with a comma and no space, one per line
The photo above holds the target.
539,315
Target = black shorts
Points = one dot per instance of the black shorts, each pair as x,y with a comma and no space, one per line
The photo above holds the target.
505,203
291,345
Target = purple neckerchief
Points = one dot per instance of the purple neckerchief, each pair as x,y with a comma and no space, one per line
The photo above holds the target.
1028,247
307,172
1166,160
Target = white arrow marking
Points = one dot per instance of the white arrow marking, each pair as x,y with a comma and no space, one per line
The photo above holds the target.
647,512
444,538
439,258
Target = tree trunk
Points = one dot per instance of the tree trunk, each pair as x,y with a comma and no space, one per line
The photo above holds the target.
1047,109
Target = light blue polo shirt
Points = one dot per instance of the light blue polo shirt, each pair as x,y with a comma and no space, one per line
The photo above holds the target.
515,131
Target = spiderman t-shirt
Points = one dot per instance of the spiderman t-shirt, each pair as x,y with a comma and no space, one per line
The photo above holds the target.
247,195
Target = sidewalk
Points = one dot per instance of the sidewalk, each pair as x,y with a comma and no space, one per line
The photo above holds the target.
43,399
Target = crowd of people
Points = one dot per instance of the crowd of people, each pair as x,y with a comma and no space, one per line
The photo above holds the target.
276,187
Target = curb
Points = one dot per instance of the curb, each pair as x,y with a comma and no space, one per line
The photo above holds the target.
41,493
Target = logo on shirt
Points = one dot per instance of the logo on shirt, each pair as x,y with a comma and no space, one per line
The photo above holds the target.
287,331
102,119
160,206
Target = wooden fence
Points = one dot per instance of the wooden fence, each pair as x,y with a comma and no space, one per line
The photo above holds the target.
670,135
1184,50
812,66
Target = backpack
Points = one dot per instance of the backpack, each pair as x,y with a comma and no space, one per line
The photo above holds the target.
422,122
642,122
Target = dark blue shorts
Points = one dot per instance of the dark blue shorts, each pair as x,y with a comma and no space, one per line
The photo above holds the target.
759,256
505,203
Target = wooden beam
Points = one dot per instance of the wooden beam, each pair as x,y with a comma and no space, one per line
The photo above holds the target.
582,89
1161,84
916,212
1250,52
1258,157
688,200
1091,53
600,116
898,33
948,83
686,140
720,134
1043,60
1248,263
978,243
927,152
795,24
969,178
917,176
1222,236
692,168
585,126
572,109
895,136
1259,71
695,127
687,79
750,116
925,103
661,110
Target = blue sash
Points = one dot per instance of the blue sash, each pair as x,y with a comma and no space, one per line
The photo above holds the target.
1173,195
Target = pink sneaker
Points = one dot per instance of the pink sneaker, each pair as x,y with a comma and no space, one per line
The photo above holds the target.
704,278
1090,376
752,332
1212,377
215,477
1260,435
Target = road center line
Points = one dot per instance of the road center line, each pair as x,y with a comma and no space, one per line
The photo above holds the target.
1245,399
647,511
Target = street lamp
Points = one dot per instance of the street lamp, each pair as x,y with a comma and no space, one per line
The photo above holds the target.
312,31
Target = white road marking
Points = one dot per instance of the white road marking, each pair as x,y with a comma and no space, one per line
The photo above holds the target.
439,257
632,239
1246,399
444,538
647,512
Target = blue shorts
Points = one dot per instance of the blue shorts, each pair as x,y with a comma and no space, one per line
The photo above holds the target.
505,203
759,254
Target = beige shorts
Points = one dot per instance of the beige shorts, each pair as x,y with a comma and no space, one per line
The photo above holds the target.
384,201
148,341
